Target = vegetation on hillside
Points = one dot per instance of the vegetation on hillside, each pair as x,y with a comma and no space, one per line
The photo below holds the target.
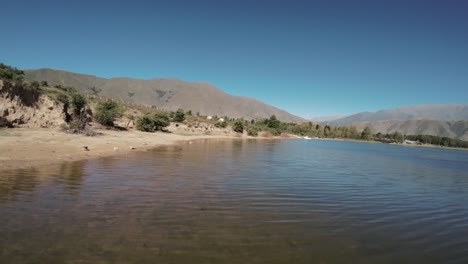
107,112
153,122
11,74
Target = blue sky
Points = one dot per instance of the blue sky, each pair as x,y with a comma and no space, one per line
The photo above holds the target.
311,58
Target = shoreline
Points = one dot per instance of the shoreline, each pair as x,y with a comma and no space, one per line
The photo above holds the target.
27,148
22,148
394,144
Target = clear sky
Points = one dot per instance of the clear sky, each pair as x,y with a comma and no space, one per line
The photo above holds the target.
310,58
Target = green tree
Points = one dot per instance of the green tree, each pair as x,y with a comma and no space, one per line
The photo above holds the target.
145,123
107,111
366,133
44,83
273,122
398,137
11,74
161,120
238,126
252,131
179,115
153,122
221,124
78,103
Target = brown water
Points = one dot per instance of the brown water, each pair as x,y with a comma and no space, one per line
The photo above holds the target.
240,201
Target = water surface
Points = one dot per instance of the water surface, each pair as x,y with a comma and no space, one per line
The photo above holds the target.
242,201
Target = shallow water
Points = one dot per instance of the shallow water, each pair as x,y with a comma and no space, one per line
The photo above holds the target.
242,201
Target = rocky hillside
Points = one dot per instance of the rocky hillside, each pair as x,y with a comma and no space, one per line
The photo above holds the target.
167,94
23,107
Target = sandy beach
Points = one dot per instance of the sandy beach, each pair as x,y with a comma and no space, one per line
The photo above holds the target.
23,148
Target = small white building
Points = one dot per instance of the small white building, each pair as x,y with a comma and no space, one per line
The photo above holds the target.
209,117
221,119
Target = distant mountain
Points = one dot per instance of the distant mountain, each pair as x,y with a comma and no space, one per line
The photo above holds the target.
452,129
168,94
445,112
322,119
446,120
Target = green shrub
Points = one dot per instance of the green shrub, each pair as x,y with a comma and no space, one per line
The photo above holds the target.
78,103
145,123
238,126
161,120
179,116
221,124
44,83
252,131
107,111
153,122
11,74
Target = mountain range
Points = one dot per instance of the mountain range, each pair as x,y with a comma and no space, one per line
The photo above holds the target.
168,94
448,120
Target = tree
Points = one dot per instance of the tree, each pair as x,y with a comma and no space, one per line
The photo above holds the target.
11,74
179,115
78,103
161,120
238,126
145,123
221,124
273,122
398,137
44,83
107,111
366,133
252,131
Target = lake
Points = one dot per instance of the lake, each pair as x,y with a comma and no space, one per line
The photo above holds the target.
242,201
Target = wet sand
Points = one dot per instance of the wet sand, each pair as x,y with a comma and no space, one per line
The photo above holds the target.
23,148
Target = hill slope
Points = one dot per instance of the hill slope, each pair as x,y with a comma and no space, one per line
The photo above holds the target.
452,129
167,94
434,112
449,120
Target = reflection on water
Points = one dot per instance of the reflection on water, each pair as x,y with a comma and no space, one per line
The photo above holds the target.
242,201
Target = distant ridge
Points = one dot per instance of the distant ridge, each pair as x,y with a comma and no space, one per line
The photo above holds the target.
445,120
322,119
445,112
168,94
452,129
